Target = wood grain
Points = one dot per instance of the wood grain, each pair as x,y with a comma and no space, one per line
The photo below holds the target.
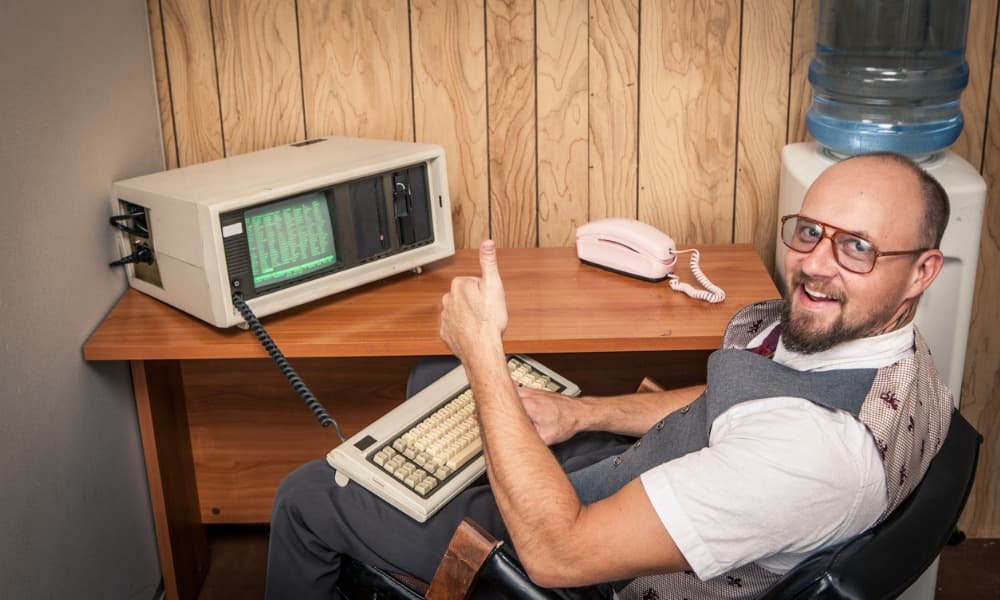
162,83
980,401
556,304
563,190
979,54
194,90
763,108
510,66
803,50
173,492
356,76
249,429
449,58
614,108
260,86
687,119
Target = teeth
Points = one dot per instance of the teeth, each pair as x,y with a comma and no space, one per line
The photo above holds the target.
816,294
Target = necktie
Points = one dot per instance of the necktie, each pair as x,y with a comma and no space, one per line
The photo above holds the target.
769,345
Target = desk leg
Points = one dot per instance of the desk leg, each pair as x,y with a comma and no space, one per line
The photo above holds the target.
166,443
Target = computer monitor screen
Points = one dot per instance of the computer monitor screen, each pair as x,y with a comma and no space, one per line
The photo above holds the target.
290,239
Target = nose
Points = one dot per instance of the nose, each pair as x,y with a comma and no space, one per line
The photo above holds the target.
821,262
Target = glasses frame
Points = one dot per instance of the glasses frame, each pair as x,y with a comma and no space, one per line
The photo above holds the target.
831,230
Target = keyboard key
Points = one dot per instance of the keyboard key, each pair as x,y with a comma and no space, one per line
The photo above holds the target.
464,455
426,485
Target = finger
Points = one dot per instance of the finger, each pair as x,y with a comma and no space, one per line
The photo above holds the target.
488,262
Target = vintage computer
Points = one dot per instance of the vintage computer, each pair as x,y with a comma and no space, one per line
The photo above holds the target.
283,226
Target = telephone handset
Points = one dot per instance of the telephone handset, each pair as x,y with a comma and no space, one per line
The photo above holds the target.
639,250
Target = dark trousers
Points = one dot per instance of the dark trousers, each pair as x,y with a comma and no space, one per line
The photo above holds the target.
315,521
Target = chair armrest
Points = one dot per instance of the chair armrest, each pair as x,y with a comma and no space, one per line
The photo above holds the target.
468,549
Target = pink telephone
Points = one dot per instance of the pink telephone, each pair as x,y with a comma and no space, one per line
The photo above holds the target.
639,250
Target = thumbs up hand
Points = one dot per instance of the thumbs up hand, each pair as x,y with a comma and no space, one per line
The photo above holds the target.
491,285
474,312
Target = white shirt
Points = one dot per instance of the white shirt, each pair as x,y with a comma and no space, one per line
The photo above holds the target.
781,477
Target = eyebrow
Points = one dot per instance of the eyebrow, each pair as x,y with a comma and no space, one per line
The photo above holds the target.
861,234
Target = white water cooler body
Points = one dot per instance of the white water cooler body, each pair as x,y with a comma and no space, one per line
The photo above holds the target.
945,310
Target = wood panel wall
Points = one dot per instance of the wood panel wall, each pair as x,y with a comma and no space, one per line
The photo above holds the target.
556,112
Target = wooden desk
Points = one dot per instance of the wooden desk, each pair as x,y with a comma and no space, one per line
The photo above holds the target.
220,426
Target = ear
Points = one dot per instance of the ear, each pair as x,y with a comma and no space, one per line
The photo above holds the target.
925,271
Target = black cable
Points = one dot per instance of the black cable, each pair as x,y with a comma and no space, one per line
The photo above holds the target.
137,229
286,369
142,254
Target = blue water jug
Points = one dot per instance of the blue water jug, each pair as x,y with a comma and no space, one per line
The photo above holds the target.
888,74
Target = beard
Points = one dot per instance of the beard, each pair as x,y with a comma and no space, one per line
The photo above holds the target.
801,333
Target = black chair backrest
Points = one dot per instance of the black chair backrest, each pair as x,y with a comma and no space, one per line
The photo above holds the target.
885,560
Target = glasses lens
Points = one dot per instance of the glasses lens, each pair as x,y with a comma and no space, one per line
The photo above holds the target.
800,234
854,253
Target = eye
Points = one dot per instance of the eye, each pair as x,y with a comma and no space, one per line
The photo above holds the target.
856,246
809,232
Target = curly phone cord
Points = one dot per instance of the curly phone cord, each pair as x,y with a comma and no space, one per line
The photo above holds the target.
712,293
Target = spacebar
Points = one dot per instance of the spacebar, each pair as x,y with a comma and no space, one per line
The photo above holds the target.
465,454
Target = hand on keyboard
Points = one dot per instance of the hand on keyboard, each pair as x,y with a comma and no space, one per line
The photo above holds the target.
552,414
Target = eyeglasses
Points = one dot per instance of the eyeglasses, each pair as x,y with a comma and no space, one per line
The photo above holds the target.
853,252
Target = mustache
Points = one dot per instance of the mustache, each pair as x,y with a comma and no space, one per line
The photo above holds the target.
818,285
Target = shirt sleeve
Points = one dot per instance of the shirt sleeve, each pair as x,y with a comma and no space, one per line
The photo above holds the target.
780,478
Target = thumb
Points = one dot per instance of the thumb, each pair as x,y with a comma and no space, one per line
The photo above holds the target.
488,263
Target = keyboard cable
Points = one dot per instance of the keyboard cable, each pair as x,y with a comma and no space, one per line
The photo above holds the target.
286,369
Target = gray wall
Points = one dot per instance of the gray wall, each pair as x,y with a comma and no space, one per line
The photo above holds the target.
77,111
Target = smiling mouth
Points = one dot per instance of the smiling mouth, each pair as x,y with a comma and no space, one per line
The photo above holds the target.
817,296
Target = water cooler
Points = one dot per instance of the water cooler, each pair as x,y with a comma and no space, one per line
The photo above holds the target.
888,75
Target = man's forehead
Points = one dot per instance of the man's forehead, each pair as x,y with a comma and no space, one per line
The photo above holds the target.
873,197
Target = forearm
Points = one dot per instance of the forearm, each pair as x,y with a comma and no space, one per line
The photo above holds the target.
521,468
552,532
632,414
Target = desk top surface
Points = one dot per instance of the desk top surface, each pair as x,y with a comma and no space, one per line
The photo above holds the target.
555,304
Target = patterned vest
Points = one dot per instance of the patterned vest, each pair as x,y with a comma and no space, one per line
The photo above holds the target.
905,406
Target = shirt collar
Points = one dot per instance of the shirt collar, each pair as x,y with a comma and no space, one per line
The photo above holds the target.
866,353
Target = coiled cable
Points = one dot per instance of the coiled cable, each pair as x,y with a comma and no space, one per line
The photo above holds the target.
286,369
712,293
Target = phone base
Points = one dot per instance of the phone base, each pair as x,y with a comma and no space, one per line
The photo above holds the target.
625,273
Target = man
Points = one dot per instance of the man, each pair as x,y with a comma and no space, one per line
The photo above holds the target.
736,483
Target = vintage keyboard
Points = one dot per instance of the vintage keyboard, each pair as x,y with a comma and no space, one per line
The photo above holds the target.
422,453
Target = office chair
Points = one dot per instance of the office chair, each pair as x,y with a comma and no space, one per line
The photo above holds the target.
882,562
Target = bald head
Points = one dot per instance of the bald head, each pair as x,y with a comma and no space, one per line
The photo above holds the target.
935,205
